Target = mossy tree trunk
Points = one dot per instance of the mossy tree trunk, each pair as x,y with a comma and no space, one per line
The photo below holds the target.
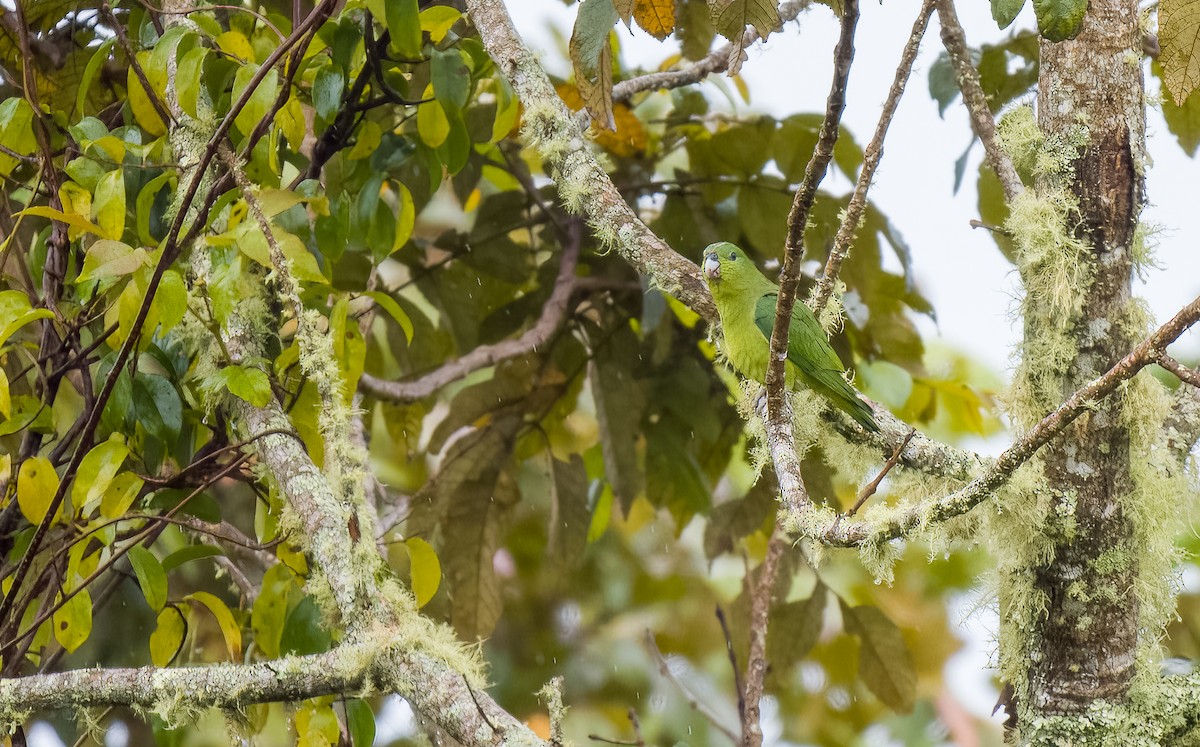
1087,644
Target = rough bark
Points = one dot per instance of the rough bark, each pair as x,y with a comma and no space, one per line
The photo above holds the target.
1082,653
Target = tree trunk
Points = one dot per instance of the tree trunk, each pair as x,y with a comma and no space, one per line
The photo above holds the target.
1087,643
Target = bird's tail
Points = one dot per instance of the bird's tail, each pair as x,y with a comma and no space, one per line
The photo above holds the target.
860,411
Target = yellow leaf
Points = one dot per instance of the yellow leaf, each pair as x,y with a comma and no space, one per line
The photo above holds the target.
426,570
656,17
629,137
120,494
73,221
317,726
432,124
291,122
77,201
235,43
37,482
229,627
144,112
5,404
73,621
369,136
109,205
97,470
437,20
167,636
406,218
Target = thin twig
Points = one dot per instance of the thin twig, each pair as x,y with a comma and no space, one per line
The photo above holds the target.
1185,374
640,741
871,158
871,487
762,584
664,668
554,314
779,421
733,663
982,121
989,227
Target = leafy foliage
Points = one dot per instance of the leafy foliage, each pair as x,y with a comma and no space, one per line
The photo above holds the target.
554,502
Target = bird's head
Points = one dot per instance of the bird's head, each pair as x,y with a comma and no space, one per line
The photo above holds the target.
727,269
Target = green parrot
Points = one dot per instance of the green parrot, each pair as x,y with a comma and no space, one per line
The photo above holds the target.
746,302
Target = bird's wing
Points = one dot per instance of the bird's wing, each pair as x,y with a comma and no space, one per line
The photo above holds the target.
808,348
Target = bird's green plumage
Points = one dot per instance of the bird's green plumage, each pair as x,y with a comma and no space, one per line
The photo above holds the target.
746,302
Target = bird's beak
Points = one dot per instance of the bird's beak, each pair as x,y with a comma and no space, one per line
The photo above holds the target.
712,267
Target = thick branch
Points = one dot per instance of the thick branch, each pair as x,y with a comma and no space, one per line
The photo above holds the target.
982,121
554,314
180,693
831,530
762,585
585,187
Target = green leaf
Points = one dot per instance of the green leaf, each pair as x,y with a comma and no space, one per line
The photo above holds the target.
229,627
73,621
1059,20
1004,12
886,382
327,90
5,406
246,382
171,300
150,575
763,208
108,206
451,80
404,24
388,304
189,553
97,60
794,629
145,206
110,259
1179,42
120,495
304,632
619,401
884,662
158,407
570,517
426,570
591,58
259,106
16,131
167,638
406,218
270,608
360,722
37,482
97,470
1183,121
15,312
189,80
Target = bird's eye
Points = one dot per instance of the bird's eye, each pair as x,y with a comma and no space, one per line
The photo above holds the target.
732,256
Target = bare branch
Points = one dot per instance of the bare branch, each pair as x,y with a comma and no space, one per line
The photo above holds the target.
982,121
554,315
779,420
664,668
762,584
1185,374
871,158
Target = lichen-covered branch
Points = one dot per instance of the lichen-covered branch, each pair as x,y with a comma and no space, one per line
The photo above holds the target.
583,185
823,526
780,441
871,158
382,664
982,121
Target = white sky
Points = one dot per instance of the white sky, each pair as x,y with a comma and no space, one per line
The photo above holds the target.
971,285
